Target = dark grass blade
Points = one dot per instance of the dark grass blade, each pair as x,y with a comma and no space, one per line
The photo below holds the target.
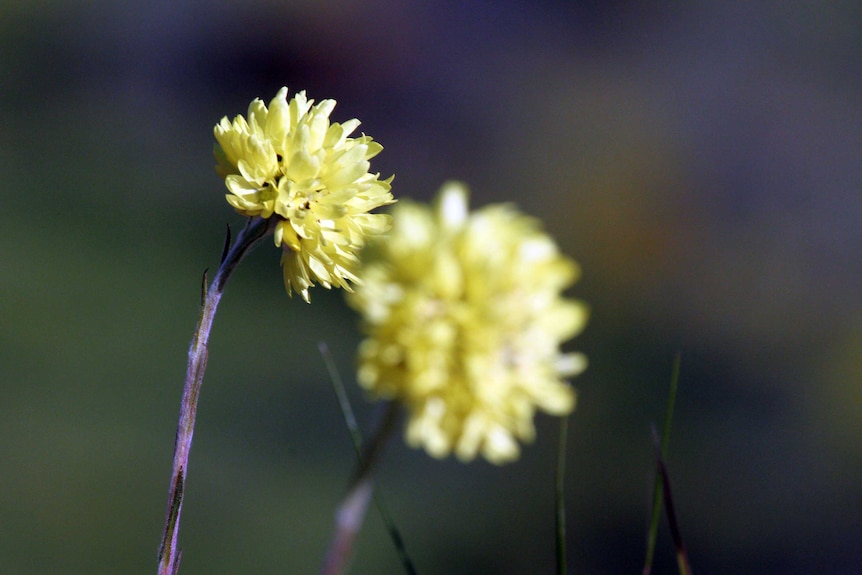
343,400
356,437
670,510
561,497
652,534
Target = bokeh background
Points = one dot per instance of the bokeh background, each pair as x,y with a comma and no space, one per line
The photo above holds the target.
701,160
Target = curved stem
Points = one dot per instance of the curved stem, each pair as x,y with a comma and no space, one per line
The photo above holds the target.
255,230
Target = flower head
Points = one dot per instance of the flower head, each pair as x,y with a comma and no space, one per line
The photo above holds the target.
464,317
290,162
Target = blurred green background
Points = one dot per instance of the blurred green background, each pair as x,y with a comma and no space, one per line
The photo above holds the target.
700,160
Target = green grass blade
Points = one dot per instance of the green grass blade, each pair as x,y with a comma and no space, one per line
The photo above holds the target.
657,498
356,437
671,401
343,400
670,510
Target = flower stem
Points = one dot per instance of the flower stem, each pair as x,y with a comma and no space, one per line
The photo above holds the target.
255,230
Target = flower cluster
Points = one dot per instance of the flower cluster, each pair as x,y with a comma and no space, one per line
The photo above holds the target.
288,161
464,317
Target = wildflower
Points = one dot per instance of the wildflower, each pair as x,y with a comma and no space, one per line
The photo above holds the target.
464,317
289,162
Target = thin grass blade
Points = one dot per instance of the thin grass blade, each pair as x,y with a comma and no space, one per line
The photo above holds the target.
652,533
356,437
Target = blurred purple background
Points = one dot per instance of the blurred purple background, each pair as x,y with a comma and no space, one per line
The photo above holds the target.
701,161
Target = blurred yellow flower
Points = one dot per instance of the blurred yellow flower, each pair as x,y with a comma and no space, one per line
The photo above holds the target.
289,161
464,317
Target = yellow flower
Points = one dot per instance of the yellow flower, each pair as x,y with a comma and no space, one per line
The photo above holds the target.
288,161
464,316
